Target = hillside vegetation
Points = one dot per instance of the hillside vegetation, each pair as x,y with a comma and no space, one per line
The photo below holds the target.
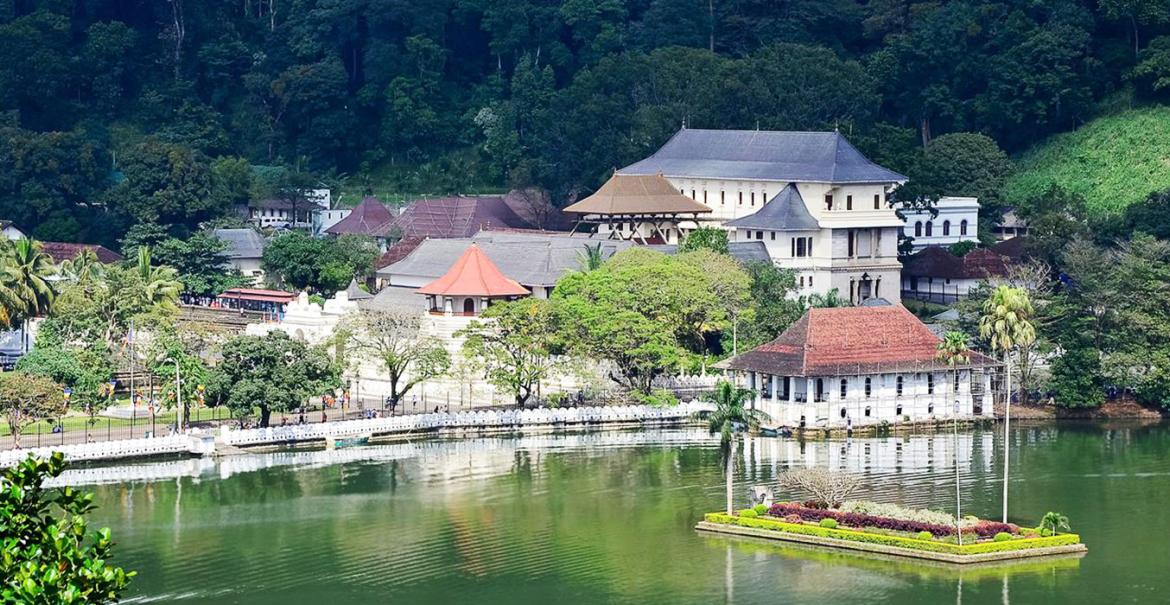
1112,162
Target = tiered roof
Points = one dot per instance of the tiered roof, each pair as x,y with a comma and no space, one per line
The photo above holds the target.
849,341
474,274
625,194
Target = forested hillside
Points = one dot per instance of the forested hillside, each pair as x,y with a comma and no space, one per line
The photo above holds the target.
131,111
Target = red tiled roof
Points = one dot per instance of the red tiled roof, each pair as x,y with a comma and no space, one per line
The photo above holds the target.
365,219
850,340
398,251
62,251
474,274
1015,248
939,262
452,217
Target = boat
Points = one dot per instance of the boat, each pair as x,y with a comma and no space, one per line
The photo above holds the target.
348,441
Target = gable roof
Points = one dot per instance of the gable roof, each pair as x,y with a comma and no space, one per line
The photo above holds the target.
242,243
474,274
353,292
850,340
398,251
62,251
822,157
365,219
637,194
531,258
934,261
452,217
785,212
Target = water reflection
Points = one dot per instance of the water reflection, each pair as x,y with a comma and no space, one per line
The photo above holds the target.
608,518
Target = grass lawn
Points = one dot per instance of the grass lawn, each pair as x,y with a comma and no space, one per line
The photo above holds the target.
78,421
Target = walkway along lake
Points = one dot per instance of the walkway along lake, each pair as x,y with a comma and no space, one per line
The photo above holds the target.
607,517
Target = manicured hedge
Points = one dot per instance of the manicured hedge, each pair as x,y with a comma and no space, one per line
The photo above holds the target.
984,529
899,541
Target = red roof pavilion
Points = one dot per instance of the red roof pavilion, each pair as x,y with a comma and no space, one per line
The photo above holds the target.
474,274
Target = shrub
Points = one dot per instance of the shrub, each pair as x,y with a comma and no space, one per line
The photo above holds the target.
888,540
859,519
925,535
760,509
829,523
1003,536
828,488
793,519
894,511
748,513
988,529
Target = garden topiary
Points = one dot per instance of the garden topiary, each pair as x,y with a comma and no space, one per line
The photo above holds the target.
829,523
748,513
760,509
925,535
1002,536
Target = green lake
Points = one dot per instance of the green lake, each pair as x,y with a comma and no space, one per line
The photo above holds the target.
607,518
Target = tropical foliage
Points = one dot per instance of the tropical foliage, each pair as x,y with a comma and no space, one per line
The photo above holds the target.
515,345
50,554
270,373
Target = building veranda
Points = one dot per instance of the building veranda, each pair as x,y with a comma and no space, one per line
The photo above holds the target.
853,366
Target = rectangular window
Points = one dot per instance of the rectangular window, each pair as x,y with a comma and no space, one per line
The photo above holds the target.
704,196
849,202
850,236
828,202
793,242
722,197
773,236
693,196
930,384
877,204
753,198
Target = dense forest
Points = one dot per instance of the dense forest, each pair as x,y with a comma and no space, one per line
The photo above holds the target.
125,112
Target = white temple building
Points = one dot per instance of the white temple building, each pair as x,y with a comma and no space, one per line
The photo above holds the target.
852,366
833,226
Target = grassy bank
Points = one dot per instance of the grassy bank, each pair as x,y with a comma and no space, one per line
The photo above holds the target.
1112,161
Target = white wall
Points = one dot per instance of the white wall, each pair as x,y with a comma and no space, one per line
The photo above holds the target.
952,210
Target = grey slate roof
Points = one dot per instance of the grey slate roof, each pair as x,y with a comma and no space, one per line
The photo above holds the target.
822,157
355,293
242,243
785,212
533,259
395,299
744,252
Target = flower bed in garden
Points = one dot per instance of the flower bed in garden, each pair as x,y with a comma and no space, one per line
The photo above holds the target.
982,540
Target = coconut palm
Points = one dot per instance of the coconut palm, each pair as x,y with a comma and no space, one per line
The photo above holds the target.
953,350
160,285
731,409
1006,324
85,267
27,289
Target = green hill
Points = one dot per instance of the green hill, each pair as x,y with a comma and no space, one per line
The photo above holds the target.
1112,161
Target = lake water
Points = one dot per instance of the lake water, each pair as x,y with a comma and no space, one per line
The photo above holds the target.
608,518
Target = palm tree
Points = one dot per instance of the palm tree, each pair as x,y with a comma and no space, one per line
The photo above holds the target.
731,409
83,268
1006,323
591,258
160,285
952,350
27,269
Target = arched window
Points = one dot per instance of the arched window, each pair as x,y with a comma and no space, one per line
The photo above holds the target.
946,227
469,305
843,412
929,228
963,227
918,229
868,387
844,388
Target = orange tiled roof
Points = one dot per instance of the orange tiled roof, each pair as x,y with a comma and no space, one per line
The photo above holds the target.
850,340
474,274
